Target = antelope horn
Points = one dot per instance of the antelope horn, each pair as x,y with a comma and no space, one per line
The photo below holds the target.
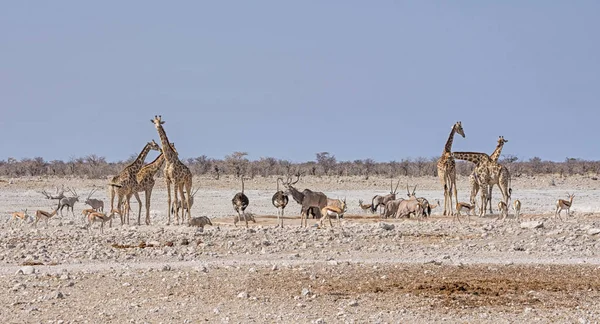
397,184
414,189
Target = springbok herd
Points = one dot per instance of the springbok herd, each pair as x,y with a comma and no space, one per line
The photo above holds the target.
139,177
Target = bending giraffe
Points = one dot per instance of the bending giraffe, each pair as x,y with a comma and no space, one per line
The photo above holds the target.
447,170
175,172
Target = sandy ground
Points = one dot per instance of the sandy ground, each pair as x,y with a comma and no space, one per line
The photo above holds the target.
535,270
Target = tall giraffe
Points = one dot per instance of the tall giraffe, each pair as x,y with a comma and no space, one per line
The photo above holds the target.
447,169
145,181
503,171
481,173
122,183
175,172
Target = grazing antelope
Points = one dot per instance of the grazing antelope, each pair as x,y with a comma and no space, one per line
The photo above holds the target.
564,204
23,216
337,210
240,202
177,205
307,198
102,218
517,207
69,202
503,208
200,222
391,207
41,214
280,200
363,206
379,200
463,206
96,204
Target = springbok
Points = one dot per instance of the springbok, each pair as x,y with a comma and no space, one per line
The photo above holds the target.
517,207
337,210
102,218
280,200
364,207
41,214
307,198
96,204
23,216
564,204
240,202
379,200
182,204
464,207
503,210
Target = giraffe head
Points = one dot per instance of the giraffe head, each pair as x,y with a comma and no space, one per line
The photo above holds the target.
157,121
154,146
501,140
458,129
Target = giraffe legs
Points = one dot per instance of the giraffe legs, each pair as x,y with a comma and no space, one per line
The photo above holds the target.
137,197
168,200
147,195
175,197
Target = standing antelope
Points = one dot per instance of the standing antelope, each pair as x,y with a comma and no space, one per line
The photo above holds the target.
23,216
182,204
280,200
240,202
503,208
69,202
364,207
465,207
41,214
102,218
517,207
307,198
96,204
410,205
379,200
564,204
337,209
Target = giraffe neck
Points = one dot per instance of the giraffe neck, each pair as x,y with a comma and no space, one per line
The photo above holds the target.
139,161
155,165
448,147
170,154
494,157
473,157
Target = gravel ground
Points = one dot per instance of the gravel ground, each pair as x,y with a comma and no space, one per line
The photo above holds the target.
537,269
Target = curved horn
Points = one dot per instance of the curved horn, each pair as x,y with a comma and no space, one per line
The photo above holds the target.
297,178
414,189
397,184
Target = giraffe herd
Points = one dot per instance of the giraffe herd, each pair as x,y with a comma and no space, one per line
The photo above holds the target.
139,177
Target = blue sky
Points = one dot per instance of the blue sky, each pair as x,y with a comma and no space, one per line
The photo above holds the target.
360,79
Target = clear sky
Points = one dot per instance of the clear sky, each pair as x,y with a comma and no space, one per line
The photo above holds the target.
360,79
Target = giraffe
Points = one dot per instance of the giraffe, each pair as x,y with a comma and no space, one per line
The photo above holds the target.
503,172
447,169
175,172
145,182
481,174
123,183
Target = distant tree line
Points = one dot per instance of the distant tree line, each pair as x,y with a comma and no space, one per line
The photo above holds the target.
325,164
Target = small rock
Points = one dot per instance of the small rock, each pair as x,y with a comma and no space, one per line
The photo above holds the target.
58,295
26,270
243,294
274,268
166,267
18,286
593,231
305,292
185,241
532,224
353,303
386,226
